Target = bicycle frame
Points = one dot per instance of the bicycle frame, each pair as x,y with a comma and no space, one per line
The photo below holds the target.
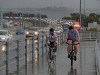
51,55
72,54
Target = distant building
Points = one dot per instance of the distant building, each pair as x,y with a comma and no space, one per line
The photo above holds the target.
94,25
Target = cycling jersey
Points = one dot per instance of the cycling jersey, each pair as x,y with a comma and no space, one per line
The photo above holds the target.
72,35
51,37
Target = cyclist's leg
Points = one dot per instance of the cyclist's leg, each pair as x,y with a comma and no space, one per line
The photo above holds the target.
55,48
75,50
68,46
76,47
49,52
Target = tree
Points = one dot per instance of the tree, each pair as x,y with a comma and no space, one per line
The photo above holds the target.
64,18
75,16
92,15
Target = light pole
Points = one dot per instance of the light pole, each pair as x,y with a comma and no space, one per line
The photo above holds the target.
84,14
40,19
80,14
35,18
80,50
1,18
84,7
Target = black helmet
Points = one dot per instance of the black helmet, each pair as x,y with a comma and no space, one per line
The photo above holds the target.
51,30
71,27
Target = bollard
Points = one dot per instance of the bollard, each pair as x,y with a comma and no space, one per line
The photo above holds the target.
7,48
60,37
25,56
32,53
58,41
46,52
42,44
38,50
17,57
38,45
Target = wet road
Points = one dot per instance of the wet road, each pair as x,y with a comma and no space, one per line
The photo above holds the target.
85,64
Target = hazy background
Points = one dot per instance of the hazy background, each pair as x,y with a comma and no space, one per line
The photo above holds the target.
46,3
53,8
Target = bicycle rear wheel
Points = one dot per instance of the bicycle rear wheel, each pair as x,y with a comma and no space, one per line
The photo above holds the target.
72,57
71,61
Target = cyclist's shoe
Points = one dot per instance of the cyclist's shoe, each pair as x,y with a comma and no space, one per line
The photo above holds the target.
68,56
75,58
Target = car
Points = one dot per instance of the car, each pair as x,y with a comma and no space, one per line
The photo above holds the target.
5,35
20,31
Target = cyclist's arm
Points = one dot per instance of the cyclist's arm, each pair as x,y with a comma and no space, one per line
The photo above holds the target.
66,36
78,36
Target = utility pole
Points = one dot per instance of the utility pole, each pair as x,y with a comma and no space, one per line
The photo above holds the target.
1,18
80,14
84,7
84,13
81,50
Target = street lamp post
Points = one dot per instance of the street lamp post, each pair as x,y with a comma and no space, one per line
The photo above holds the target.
40,19
84,8
80,14
1,18
35,19
81,26
84,15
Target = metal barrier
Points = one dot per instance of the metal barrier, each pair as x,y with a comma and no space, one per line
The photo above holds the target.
97,52
87,35
15,57
19,53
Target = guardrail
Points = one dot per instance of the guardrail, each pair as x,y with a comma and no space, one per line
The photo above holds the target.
97,52
87,35
18,53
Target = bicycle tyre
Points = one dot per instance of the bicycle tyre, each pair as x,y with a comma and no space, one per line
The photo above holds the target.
71,61
71,58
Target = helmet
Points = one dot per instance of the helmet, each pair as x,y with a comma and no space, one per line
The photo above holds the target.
51,30
71,27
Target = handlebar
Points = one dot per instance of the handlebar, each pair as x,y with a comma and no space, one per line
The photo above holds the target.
48,45
73,44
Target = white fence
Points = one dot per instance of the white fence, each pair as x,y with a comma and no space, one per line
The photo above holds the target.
88,35
97,53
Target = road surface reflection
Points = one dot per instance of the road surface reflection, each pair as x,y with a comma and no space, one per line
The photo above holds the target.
52,69
72,71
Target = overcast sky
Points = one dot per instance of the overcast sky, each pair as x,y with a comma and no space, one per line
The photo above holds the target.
46,3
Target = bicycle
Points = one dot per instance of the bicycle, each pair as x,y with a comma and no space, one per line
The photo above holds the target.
72,52
51,55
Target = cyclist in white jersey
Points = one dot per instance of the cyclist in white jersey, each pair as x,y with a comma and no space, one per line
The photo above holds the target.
52,38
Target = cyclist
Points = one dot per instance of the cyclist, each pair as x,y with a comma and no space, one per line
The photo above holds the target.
51,38
72,35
